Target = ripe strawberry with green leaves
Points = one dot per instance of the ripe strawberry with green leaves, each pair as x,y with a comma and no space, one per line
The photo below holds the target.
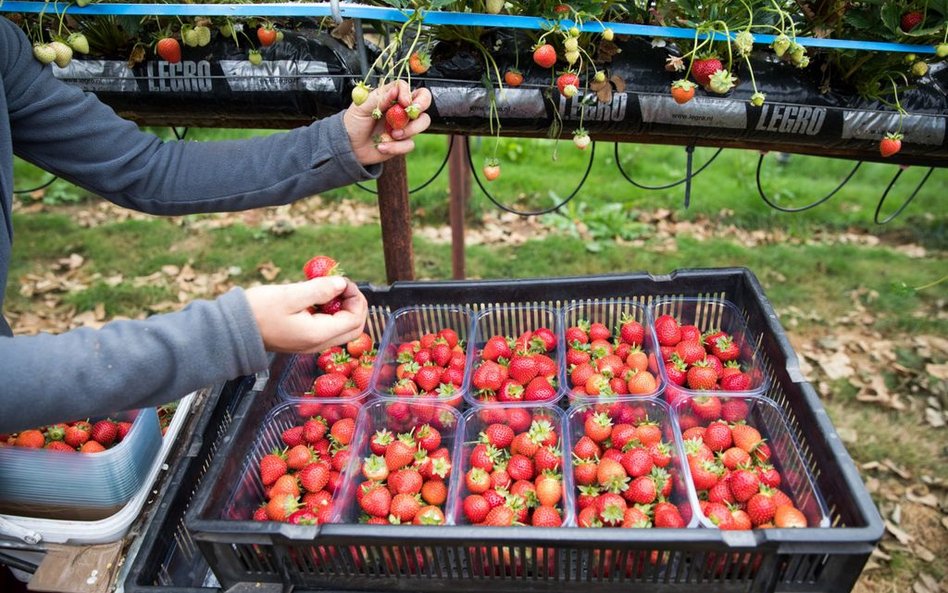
544,55
168,49
397,117
702,69
890,145
568,83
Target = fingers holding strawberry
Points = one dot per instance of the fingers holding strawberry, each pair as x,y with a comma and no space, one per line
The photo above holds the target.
377,135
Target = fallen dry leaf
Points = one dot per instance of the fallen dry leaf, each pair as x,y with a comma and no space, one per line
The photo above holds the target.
934,418
877,392
903,537
928,499
837,365
939,371
269,271
902,473
923,553
345,32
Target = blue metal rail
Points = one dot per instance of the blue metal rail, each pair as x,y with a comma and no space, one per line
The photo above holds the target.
378,13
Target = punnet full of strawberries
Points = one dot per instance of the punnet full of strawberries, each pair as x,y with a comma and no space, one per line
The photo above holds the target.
431,366
709,361
605,362
345,371
517,369
514,470
731,467
301,477
625,471
405,466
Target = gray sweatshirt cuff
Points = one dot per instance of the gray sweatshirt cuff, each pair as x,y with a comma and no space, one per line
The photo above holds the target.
342,151
248,343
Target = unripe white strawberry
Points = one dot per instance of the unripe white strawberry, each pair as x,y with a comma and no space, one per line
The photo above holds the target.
570,90
63,53
44,53
78,43
581,139
495,6
203,35
608,34
571,44
255,57
360,93
571,56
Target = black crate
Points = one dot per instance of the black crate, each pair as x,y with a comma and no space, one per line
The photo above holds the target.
406,558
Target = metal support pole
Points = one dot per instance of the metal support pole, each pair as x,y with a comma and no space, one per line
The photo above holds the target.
460,185
395,215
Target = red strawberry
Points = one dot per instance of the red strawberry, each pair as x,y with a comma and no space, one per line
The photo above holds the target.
568,84
314,477
743,484
746,437
513,77
667,330
586,448
272,466
667,515
546,516
281,506
428,438
788,516
734,409
266,34
342,430
637,462
292,436
702,69
544,55
522,369
76,435
717,436
500,516
690,351
397,117
498,435
104,432
496,347
376,500
642,490
428,378
489,375
736,382
299,457
168,49
320,266
476,508
31,439
631,331
398,455
329,385
313,431
725,349
404,507
123,428
706,407
539,389
91,447
701,376
521,467
890,144
59,446
761,507
911,19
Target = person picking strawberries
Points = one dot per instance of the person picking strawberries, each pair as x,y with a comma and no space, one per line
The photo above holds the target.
137,363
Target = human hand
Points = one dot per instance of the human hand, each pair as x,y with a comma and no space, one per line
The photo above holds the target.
364,131
286,324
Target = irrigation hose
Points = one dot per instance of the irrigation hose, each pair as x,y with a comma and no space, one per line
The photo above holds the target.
769,202
480,184
38,187
447,156
905,204
686,178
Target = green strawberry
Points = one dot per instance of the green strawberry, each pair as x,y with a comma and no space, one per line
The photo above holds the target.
44,53
79,43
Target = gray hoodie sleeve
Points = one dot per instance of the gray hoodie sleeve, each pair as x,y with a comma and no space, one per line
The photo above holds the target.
126,364
71,133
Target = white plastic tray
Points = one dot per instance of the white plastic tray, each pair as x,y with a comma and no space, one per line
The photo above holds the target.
58,531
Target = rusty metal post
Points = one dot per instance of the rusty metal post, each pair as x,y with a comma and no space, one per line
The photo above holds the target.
395,217
460,186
